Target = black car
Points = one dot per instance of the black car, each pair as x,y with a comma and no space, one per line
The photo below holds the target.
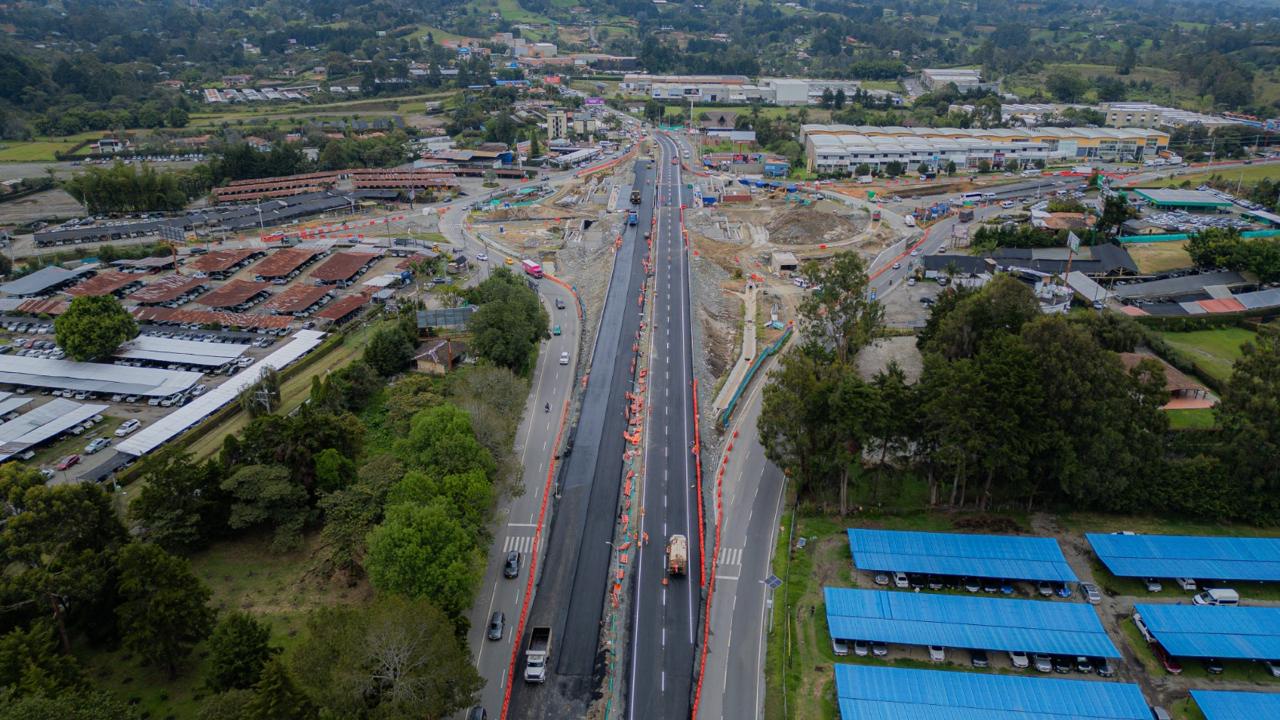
1213,666
497,624
1104,667
1061,664
477,713
978,659
512,567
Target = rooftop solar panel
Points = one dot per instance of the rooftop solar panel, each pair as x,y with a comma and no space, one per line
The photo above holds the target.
883,693
1033,626
1234,704
1167,556
987,556
1214,631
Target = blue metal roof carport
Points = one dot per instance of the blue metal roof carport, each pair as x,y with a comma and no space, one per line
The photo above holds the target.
1170,556
984,556
1214,631
957,621
866,692
1234,704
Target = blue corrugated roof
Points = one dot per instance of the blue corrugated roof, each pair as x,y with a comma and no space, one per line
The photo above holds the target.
1233,704
987,556
882,693
957,621
1168,556
1216,631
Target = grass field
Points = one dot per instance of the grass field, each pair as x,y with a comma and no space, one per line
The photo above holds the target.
1199,419
1213,350
243,575
43,149
1246,175
293,391
1159,257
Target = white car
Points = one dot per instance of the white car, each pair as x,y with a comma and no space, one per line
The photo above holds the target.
482,256
900,580
564,357
1006,204
937,653
127,427
1019,660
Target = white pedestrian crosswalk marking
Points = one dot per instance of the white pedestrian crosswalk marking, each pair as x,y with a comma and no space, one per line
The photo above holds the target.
730,556
522,543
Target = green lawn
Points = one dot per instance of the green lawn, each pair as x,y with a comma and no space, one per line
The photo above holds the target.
1245,174
1200,419
42,149
243,575
1213,350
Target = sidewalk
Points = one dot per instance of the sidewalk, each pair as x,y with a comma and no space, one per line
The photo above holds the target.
745,358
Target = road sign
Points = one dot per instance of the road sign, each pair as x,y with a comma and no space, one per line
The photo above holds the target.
173,233
773,581
1073,242
873,293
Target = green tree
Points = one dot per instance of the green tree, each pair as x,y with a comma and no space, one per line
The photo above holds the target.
399,658
838,315
1003,305
177,117
509,322
1066,86
229,705
1249,421
277,697
441,441
31,663
388,351
57,545
164,608
984,166
350,514
951,167
796,420
262,397
425,551
181,505
238,650
334,470
266,495
923,168
93,327
66,706
1115,211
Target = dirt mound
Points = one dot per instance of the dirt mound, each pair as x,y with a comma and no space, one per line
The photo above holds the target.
809,226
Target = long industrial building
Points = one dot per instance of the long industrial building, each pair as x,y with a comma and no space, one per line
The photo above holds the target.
842,148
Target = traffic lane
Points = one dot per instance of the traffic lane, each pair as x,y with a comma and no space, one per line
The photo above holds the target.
552,385
753,504
663,621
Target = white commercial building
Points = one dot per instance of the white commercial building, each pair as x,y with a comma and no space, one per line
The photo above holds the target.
1149,115
735,88
841,148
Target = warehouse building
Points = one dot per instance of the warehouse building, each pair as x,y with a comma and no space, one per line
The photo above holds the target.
1190,200
967,622
1149,115
841,148
966,80
879,693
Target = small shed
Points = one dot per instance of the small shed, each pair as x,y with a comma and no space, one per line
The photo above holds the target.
781,262
437,356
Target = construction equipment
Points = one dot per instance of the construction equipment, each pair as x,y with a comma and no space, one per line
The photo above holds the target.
677,555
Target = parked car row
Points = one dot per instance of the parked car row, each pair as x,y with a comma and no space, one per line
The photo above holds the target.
33,328
1003,586
980,659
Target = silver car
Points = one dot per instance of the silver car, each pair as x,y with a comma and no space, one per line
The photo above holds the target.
1091,593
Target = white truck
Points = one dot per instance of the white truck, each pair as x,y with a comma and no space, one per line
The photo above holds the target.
677,555
537,654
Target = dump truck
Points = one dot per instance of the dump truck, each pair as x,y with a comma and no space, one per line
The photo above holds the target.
677,555
537,654
635,197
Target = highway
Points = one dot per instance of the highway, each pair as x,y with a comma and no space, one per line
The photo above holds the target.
571,589
665,608
517,516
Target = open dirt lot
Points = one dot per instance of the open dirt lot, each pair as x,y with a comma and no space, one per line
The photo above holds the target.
1159,257
40,206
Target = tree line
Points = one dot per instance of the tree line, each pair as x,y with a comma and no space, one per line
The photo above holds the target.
1014,410
1227,248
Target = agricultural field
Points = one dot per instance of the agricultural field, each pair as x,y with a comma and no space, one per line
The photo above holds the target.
42,149
1215,351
